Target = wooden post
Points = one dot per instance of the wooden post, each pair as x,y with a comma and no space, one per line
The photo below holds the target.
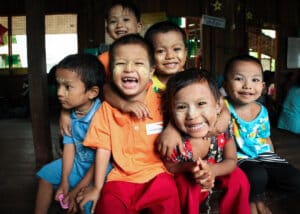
35,26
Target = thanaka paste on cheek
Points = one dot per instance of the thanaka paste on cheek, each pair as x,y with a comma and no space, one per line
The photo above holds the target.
61,81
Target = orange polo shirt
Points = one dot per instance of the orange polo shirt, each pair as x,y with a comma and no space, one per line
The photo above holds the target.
104,59
131,141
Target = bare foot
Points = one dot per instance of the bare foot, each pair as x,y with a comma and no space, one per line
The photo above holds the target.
262,208
253,208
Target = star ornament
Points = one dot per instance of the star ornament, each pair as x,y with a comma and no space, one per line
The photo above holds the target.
249,16
217,5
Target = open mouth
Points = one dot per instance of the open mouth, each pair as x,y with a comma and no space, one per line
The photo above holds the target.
129,80
170,64
121,33
246,93
195,127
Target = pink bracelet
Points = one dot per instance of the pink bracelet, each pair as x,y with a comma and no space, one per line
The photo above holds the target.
61,201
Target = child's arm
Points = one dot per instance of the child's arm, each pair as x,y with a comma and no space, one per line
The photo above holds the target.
67,162
269,141
65,122
204,175
222,123
168,140
228,164
93,193
179,167
138,109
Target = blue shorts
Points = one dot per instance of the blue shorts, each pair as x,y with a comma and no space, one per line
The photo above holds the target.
52,173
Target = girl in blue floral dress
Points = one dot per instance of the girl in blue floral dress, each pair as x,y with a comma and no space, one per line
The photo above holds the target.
243,82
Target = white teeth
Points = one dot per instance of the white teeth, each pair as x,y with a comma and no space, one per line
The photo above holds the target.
196,126
129,79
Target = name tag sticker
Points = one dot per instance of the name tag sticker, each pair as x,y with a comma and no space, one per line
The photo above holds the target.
154,128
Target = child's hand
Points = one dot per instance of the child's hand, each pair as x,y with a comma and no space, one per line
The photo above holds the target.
62,189
203,175
222,122
169,140
88,194
65,123
73,206
138,109
62,195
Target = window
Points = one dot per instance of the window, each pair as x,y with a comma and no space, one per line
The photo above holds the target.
262,44
13,50
61,37
60,40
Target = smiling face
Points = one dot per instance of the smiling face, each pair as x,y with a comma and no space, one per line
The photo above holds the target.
132,70
195,109
122,21
244,82
170,53
71,91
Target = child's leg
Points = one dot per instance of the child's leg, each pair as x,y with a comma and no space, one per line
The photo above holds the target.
44,197
283,177
159,195
190,194
236,196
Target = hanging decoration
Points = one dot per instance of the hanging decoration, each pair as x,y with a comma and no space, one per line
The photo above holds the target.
217,5
2,32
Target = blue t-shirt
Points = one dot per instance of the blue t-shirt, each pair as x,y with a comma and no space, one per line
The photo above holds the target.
251,136
79,130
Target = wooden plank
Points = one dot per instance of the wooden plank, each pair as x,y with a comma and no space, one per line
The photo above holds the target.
35,26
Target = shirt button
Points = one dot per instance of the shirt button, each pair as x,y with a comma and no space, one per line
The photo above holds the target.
136,128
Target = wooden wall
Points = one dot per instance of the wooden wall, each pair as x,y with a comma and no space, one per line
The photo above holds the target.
219,44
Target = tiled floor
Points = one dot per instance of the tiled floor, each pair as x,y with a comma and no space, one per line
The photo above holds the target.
18,183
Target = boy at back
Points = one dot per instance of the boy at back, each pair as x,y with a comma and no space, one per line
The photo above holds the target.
80,79
122,18
139,181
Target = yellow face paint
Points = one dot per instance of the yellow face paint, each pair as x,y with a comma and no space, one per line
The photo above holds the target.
65,83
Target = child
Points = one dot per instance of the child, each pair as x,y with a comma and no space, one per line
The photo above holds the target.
193,102
138,181
243,82
80,78
170,51
122,18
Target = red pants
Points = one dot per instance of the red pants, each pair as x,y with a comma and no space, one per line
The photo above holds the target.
159,195
235,198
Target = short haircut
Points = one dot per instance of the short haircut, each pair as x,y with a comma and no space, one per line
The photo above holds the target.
181,80
125,5
164,27
240,58
129,40
88,67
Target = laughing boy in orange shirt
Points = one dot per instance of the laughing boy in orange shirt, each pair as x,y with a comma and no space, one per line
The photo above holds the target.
139,180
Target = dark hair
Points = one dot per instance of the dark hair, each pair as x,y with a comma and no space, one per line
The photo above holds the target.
125,5
181,80
243,58
127,40
164,27
88,67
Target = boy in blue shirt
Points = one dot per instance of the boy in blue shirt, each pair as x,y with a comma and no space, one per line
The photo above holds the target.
80,79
